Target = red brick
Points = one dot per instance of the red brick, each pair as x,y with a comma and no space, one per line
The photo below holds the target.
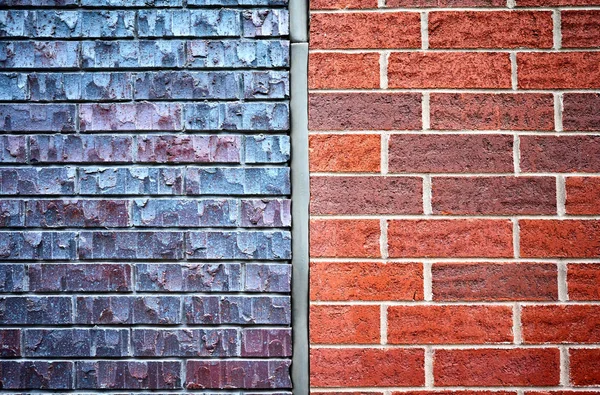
343,71
344,324
366,195
561,239
490,29
584,367
344,238
561,154
455,393
581,111
583,281
494,281
451,153
494,195
449,324
366,367
364,111
365,30
583,195
450,238
449,70
366,281
445,3
558,70
561,392
561,324
342,4
550,3
497,367
344,153
483,111
580,29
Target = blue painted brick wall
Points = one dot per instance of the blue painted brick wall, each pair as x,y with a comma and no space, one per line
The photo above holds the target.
145,196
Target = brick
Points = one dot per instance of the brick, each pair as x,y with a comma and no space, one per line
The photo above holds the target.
266,342
549,3
556,238
558,70
28,310
267,149
66,277
36,375
13,86
77,213
10,343
416,153
238,54
494,282
365,30
344,153
185,213
462,238
339,324
237,181
343,71
482,111
366,195
497,367
580,111
266,85
127,375
80,149
13,278
135,54
185,342
366,281
37,181
268,278
560,324
582,195
342,4
37,117
75,86
131,181
493,195
464,392
445,3
266,213
583,280
131,245
200,3
240,310
166,85
344,238
562,154
579,29
37,245
129,116
12,149
584,367
490,29
449,70
364,111
254,116
188,278
119,310
269,245
265,23
188,23
365,367
449,324
192,149
39,55
238,374
76,343
131,3
12,213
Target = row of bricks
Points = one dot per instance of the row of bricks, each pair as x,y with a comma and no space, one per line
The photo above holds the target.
149,277
452,282
149,310
84,343
162,85
463,238
362,4
239,245
485,367
146,23
144,181
52,55
134,3
174,148
145,116
455,29
454,111
116,375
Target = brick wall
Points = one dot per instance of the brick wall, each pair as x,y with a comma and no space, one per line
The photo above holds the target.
454,152
144,187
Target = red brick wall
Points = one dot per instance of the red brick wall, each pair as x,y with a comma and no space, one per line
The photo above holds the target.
455,232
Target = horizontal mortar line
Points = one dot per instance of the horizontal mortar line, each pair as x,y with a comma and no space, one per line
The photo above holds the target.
191,100
142,197
178,391
141,133
83,39
142,229
157,326
133,198
143,165
438,217
391,303
457,260
133,69
450,346
452,50
165,261
449,132
133,8
135,326
416,90
135,293
144,358
446,175
451,9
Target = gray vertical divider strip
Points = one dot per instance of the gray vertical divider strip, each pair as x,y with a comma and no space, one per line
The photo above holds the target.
298,22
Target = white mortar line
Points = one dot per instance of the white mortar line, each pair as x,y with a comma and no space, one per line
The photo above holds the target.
427,281
513,71
558,110
383,324
424,30
516,238
517,332
383,69
556,31
564,366
429,378
427,195
517,154
561,196
563,285
385,143
383,238
425,111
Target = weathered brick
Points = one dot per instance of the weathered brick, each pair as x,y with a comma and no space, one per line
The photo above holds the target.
202,3
13,86
188,278
255,116
238,54
37,245
37,181
550,3
266,23
41,3
138,54
339,324
237,181
451,153
108,23
342,4
185,342
129,116
13,278
268,278
270,245
557,238
12,213
131,181
80,149
67,277
131,245
558,70
127,375
343,71
131,3
39,54
238,374
345,238
266,85
563,154
75,86
10,343
266,213
166,85
115,310
241,310
37,117
34,310
581,111
267,149
188,23
36,375
445,3
579,29
12,149
76,343
192,149
494,281
584,367
560,324
258,342
77,213
185,213
344,153
582,195
583,280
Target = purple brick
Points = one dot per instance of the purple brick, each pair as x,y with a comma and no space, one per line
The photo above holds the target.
132,3
69,277
185,212
39,54
134,54
130,116
258,342
233,116
77,213
13,86
188,149
131,245
10,343
76,86
189,277
76,343
238,245
37,181
167,85
238,374
28,310
266,85
12,149
267,149
13,278
185,342
103,375
131,181
12,213
37,245
242,310
266,23
189,23
35,375
80,148
37,117
237,181
164,310
266,213
238,54
268,277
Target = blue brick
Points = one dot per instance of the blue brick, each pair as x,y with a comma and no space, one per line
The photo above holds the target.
140,54
189,278
185,148
189,23
266,213
16,23
203,3
12,149
108,24
262,342
241,310
268,278
266,23
36,310
187,85
37,245
130,116
238,245
37,117
76,343
237,181
238,54
257,116
128,375
12,213
40,3
115,310
267,149
132,3
185,342
37,181
131,181
80,148
39,54
75,86
266,85
36,375
13,278
131,245
67,277
185,212
13,86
